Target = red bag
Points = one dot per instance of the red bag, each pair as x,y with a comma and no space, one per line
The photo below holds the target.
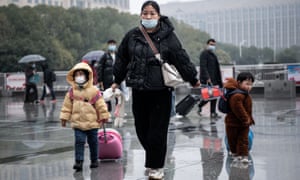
210,92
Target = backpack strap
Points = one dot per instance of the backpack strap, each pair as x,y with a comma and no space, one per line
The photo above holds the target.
71,94
237,91
95,98
92,101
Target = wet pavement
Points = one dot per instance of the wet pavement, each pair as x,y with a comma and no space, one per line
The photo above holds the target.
33,145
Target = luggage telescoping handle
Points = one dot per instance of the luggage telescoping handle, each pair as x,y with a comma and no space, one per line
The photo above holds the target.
104,132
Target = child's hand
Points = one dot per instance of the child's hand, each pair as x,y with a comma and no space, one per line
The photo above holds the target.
63,122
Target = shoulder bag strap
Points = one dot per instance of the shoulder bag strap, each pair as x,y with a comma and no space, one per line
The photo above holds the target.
154,49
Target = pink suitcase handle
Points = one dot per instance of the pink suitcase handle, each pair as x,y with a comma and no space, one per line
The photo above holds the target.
111,134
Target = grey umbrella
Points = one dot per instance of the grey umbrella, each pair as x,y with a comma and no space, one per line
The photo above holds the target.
93,55
32,58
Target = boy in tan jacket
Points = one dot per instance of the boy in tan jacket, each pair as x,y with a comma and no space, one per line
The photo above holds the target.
85,109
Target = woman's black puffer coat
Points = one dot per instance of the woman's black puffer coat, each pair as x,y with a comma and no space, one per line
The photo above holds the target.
135,56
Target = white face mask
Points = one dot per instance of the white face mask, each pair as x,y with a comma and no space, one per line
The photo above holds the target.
211,48
80,79
149,23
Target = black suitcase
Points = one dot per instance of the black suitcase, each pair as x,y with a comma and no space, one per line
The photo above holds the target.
186,104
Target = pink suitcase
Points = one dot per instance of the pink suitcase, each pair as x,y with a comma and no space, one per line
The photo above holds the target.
110,144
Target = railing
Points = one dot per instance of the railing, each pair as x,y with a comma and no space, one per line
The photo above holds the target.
262,73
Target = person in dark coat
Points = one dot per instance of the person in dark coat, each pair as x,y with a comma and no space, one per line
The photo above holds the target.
105,68
210,74
48,83
239,119
151,99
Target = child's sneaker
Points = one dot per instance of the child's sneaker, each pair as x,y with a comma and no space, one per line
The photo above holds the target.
78,166
156,173
94,164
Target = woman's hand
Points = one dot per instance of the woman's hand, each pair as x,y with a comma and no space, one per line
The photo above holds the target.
197,84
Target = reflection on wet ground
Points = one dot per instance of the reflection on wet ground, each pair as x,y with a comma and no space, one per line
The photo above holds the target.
34,146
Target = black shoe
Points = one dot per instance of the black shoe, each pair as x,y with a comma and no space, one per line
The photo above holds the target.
94,164
214,116
199,111
78,166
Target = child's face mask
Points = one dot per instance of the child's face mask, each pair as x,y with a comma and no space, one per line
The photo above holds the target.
80,79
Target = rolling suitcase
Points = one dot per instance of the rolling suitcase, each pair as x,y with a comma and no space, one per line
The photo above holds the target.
110,144
187,104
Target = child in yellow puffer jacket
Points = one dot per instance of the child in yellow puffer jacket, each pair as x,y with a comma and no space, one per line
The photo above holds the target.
85,109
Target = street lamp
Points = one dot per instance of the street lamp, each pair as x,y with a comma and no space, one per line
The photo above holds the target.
241,43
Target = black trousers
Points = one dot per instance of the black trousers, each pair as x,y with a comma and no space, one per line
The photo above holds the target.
151,110
31,93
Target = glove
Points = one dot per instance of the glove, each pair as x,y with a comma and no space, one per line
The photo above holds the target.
100,121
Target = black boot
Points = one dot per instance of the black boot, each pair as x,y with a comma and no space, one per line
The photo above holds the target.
94,164
78,166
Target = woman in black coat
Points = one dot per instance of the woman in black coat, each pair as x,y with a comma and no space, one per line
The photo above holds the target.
151,99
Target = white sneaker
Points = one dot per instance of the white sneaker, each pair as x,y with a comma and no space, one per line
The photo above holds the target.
237,158
178,116
244,159
156,173
232,155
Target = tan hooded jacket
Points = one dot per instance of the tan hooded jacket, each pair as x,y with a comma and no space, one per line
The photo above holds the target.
241,107
78,111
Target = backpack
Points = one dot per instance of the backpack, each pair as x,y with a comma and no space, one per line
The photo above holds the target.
223,105
53,76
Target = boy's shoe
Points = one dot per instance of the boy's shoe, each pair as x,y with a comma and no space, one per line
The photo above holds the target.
94,164
78,165
53,100
42,101
237,158
244,159
232,155
156,173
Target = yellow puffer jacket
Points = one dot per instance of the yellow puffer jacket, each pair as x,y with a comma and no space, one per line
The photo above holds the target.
78,111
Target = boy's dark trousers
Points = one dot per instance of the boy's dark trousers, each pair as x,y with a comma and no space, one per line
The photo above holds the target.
238,140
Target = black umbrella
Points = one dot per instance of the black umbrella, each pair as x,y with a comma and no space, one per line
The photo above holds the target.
32,58
93,55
